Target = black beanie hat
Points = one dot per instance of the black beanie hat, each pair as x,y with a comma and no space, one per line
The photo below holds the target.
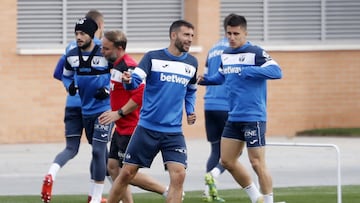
86,25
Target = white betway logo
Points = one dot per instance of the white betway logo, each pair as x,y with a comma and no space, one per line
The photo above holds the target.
174,78
232,69
215,53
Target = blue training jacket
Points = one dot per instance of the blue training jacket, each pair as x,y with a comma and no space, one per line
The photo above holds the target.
246,69
170,82
90,73
71,101
216,96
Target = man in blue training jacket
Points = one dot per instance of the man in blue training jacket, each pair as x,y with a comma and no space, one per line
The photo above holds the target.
72,119
87,72
170,82
246,69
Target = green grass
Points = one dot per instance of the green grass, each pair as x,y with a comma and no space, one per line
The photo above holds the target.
349,132
326,194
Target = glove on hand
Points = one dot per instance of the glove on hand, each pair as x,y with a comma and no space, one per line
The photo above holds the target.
102,93
72,89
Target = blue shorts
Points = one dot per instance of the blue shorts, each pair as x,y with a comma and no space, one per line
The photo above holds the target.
253,133
73,122
145,144
96,131
214,124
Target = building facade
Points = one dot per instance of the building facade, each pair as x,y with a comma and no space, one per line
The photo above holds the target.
320,87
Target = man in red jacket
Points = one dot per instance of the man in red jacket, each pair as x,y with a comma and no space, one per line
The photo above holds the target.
125,107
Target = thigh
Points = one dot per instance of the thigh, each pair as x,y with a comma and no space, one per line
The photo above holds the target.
232,141
73,121
231,149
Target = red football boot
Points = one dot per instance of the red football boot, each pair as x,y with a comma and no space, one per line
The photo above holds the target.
47,188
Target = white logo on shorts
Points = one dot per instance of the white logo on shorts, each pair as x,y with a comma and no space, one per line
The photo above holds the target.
183,150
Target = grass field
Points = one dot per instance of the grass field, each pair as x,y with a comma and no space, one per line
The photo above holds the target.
337,132
350,194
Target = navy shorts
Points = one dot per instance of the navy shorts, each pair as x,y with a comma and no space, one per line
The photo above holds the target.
118,147
73,122
214,124
145,144
96,131
253,133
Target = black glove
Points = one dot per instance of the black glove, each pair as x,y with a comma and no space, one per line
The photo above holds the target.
101,93
72,89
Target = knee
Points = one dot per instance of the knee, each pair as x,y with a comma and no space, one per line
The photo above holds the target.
127,175
181,175
113,167
178,176
228,164
73,151
98,151
95,154
257,165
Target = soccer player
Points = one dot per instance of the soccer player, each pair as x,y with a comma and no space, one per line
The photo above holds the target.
125,108
246,69
216,109
170,83
72,119
88,73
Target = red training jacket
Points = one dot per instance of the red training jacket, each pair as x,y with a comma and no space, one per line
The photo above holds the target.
119,96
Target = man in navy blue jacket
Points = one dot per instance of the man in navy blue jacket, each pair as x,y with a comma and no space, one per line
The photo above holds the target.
73,116
87,72
246,69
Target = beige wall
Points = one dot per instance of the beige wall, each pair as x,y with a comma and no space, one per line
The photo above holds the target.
319,88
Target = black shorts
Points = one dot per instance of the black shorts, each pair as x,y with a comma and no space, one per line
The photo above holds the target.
214,124
73,121
118,147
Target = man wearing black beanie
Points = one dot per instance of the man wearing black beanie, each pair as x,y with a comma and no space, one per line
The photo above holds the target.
86,25
87,73
72,120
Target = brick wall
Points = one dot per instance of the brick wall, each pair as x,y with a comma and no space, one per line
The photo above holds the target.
319,88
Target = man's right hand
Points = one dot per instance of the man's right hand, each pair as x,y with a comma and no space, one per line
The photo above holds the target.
108,117
199,79
126,77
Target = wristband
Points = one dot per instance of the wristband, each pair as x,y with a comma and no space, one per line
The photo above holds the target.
121,113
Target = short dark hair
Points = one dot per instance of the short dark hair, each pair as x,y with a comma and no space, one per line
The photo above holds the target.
226,19
236,20
117,37
177,24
